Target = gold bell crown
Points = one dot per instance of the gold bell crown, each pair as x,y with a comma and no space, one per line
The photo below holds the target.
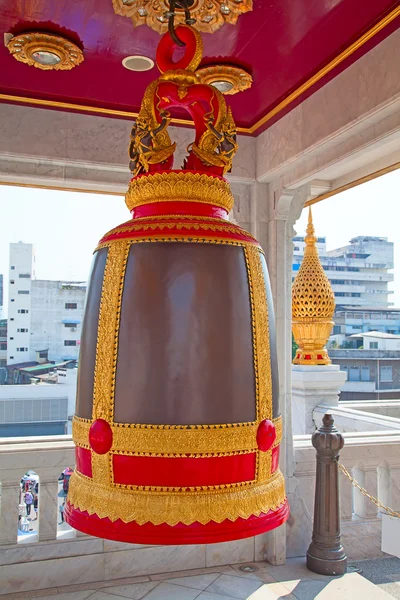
313,305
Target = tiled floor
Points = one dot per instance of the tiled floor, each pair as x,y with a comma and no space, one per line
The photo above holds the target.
380,581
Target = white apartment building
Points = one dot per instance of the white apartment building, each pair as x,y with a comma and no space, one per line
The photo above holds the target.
43,316
359,273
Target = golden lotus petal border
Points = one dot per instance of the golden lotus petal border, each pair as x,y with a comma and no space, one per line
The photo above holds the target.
179,186
185,507
175,440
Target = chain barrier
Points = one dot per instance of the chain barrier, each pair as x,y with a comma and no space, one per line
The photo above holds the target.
378,503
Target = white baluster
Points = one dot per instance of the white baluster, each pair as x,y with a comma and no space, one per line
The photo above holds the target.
10,492
48,509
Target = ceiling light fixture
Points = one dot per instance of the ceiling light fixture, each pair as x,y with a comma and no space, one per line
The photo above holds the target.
45,51
138,63
226,78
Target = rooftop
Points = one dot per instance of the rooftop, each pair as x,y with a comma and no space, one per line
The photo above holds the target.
376,334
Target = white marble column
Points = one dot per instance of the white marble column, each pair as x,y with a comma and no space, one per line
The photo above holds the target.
10,492
48,509
312,386
273,215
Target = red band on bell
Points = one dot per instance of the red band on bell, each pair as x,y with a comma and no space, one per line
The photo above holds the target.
183,471
179,208
275,459
83,458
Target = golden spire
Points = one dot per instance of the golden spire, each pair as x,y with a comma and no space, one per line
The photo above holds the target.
313,305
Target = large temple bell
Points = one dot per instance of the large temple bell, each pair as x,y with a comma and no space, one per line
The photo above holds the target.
177,426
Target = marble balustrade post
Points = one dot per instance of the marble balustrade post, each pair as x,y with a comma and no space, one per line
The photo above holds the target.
48,509
10,493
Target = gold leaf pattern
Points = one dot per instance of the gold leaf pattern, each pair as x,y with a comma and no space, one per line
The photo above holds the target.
187,507
179,186
107,336
208,440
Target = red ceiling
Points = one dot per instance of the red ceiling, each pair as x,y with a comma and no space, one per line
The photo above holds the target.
282,42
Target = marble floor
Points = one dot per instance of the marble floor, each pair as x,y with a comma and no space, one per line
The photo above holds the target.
380,580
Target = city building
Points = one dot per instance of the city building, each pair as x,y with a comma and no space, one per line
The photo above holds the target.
43,316
1,295
38,408
3,345
359,273
351,320
372,373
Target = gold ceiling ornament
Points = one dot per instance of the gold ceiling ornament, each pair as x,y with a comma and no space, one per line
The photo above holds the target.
313,305
45,51
227,79
210,15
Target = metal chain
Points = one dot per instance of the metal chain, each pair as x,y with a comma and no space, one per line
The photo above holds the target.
354,482
184,5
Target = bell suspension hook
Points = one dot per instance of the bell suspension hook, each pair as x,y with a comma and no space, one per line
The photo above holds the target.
184,5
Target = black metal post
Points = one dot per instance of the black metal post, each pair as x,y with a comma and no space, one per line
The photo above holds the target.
326,554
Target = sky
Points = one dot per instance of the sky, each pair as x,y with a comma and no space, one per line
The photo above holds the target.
66,226
372,208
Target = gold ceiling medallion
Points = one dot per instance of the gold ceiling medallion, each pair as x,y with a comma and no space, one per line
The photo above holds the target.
226,78
45,51
210,15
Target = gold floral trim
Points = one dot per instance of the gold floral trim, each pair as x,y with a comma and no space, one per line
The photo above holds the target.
185,507
196,440
107,337
180,225
279,430
177,238
261,351
261,343
157,440
179,187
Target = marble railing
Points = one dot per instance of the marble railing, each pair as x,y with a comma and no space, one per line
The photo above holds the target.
55,558
58,556
373,458
46,456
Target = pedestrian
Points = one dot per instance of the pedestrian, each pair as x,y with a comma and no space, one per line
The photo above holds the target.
28,502
35,506
21,512
61,509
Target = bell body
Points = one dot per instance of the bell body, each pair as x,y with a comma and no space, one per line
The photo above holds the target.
177,426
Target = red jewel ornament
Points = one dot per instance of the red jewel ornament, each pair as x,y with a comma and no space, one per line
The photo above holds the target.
266,435
100,436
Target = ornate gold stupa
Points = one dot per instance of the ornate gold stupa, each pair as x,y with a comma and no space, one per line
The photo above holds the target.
313,305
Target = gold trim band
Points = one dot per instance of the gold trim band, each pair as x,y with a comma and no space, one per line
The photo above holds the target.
249,130
204,239
185,507
170,440
179,186
107,337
